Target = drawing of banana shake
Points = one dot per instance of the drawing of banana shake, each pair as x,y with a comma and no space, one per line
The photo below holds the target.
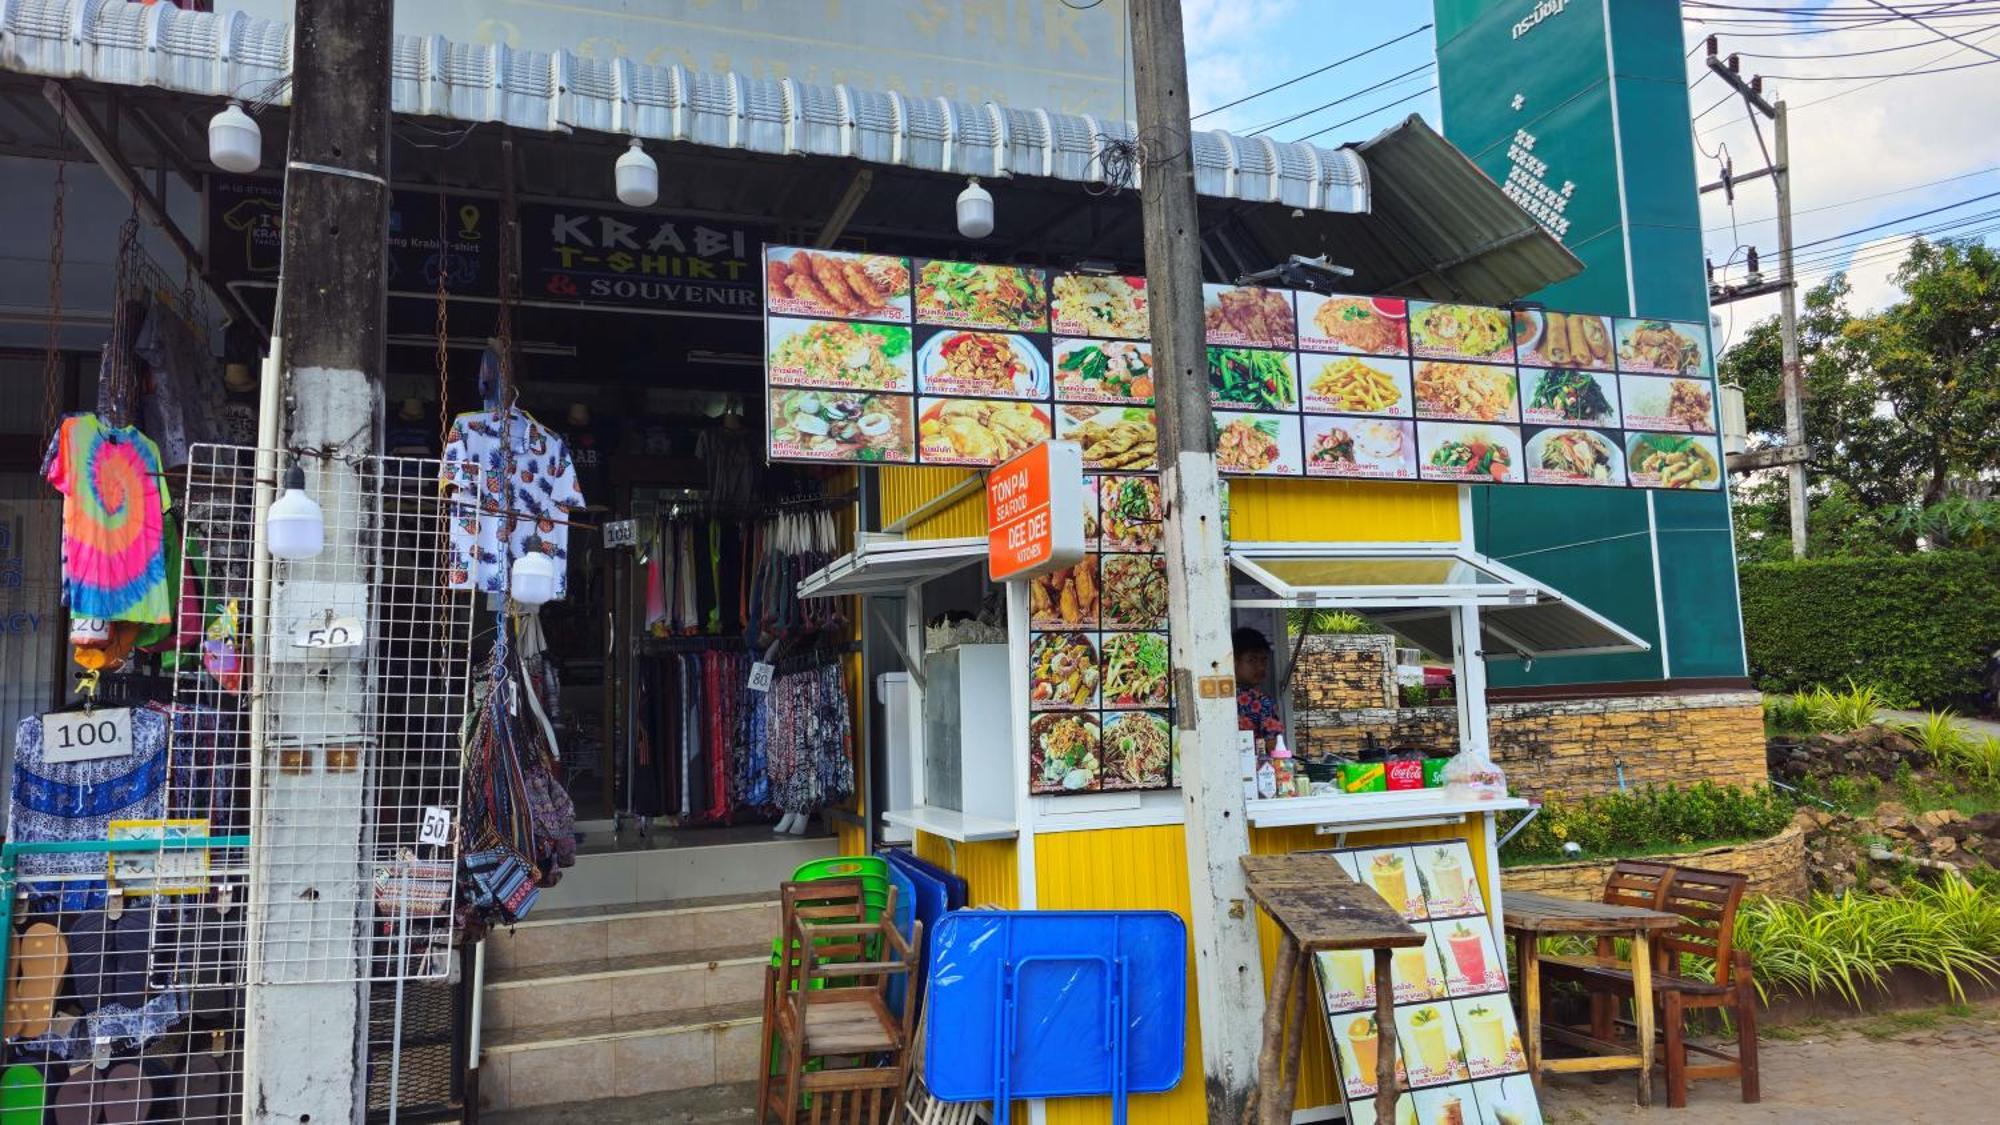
1485,1036
1447,878
1427,1029
1385,871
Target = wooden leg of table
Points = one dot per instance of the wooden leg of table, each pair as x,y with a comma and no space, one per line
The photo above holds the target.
1303,992
1528,954
1270,1058
1642,1011
1385,1039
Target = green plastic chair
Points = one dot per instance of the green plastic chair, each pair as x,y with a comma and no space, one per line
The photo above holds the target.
873,871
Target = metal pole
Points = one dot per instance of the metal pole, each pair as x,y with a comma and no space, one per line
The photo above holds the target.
1229,975
1788,328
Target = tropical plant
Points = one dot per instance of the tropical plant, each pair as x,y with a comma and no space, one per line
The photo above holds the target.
1310,621
1843,944
1939,736
1650,819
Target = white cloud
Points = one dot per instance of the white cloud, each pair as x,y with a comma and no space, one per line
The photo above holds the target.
1226,56
1873,279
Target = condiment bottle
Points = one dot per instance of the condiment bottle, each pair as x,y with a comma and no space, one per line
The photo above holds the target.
1285,770
1267,779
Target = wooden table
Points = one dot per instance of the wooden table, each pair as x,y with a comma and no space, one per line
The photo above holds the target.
1319,908
1530,917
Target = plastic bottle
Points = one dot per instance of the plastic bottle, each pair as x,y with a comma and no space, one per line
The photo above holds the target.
1284,769
1267,779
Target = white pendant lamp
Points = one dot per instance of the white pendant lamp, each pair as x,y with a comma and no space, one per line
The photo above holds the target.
294,528
638,177
532,579
975,210
235,143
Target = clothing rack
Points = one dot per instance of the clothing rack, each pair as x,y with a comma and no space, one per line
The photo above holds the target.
692,643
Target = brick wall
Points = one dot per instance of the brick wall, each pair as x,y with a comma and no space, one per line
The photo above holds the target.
1338,672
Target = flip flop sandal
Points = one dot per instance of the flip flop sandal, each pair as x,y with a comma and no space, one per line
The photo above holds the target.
12,1029
125,1095
23,1096
201,1089
43,957
76,1099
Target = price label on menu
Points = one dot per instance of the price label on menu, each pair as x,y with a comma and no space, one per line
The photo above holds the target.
85,736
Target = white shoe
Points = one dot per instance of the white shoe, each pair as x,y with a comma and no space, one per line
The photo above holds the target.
784,824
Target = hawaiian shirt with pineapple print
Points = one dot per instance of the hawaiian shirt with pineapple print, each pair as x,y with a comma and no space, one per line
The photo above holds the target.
540,492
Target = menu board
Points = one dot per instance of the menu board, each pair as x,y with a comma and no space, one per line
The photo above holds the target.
878,359
1459,1058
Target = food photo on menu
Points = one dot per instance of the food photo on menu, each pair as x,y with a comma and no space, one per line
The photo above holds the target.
1083,304
836,426
1131,517
1257,444
1356,1042
972,295
1416,972
1137,751
1472,966
1674,405
979,432
1473,454
1249,316
1466,392
1570,340
827,283
1387,872
1114,439
1062,672
1489,1036
1506,1101
1135,670
1582,457
1686,461
1134,593
1433,1053
1663,347
1066,598
1350,384
1347,979
1252,379
1360,448
984,364
1104,371
1563,396
1451,887
1472,332
1063,753
838,354
1364,325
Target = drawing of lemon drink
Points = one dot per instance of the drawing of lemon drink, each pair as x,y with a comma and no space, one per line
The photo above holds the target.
1485,1036
1386,873
1427,1030
1448,879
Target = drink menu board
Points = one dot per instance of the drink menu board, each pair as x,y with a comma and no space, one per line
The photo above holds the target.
1459,1058
879,359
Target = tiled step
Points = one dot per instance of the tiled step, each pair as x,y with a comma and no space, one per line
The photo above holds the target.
708,1105
635,985
652,874
592,934
618,1057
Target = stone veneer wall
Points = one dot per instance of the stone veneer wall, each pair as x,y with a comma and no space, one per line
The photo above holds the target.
1776,866
1340,672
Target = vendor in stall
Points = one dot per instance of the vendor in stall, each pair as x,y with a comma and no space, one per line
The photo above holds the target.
1255,709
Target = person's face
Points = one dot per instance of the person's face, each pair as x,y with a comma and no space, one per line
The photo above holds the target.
1252,668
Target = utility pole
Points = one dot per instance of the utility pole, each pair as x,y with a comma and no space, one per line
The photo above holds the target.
306,997
1778,166
1229,976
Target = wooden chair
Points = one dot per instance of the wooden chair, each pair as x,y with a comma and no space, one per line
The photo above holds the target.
1632,882
842,1054
1707,903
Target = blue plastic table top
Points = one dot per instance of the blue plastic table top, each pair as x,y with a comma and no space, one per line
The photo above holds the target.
1029,1004
954,886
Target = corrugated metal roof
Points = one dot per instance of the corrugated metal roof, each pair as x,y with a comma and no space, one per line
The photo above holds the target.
128,44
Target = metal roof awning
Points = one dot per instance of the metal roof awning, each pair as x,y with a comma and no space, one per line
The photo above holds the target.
891,566
1414,590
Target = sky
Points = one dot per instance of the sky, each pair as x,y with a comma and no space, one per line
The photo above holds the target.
1863,152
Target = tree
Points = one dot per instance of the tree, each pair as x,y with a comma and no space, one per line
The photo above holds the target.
1901,407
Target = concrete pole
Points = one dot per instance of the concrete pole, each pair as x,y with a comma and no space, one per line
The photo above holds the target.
306,1005
1229,975
1788,333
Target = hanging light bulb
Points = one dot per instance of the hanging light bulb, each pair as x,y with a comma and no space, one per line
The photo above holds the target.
975,210
638,177
294,528
532,579
235,143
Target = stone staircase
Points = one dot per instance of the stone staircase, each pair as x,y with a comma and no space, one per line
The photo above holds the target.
599,996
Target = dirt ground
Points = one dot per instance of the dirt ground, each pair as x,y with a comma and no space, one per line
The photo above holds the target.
1929,1065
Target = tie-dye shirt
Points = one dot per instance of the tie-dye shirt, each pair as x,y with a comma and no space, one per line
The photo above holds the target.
544,490
114,545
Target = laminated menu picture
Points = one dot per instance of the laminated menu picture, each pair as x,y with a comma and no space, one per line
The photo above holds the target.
1471,453
1360,448
1135,671
1104,371
1134,594
988,364
1461,332
1252,379
1062,672
1563,397
1673,461
977,295
838,355
1673,405
1249,316
1466,392
1442,1105
1472,964
1137,750
1506,1101
1093,523
1347,979
1428,1038
1063,753
1259,444
1066,598
1571,340
1123,439
1363,325
1357,1041
1575,457
834,426
1450,885
1131,516
1489,1036
1416,971
1083,304
1663,347
1387,871
1350,384
808,282
977,431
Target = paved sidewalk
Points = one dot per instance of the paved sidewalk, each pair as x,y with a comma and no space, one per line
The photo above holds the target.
1977,727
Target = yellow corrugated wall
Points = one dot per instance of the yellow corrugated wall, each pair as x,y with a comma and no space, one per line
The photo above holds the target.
1291,511
905,490
988,868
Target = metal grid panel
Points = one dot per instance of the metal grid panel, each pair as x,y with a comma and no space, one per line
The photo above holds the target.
345,696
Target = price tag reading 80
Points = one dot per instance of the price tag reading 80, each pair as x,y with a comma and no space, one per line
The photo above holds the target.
761,675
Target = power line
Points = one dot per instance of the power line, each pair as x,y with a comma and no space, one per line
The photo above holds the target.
1847,54
1865,198
1796,246
1882,77
1370,113
1919,21
1410,73
1837,93
1311,73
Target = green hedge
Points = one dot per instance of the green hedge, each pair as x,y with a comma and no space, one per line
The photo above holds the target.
1919,627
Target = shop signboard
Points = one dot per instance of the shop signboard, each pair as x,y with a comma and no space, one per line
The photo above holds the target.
638,259
1034,512
245,222
879,359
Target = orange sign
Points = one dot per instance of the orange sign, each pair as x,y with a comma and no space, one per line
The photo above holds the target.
1034,512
